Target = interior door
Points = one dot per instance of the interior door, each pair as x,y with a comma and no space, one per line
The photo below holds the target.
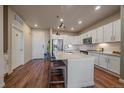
38,43
17,47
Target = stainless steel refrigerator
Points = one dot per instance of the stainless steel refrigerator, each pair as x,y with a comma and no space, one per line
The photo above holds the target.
57,45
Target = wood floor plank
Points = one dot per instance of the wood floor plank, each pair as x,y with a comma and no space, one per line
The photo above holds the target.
34,74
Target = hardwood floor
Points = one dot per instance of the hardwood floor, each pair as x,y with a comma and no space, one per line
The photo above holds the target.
34,74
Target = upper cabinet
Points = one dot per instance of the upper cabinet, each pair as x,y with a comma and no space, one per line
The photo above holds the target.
107,32
116,30
97,35
100,37
112,31
94,36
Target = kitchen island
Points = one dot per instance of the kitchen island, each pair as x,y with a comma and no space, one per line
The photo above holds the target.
80,69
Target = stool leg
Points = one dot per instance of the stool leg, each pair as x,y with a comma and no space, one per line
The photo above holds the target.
49,77
65,78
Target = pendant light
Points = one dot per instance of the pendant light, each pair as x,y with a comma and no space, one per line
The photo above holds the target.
61,25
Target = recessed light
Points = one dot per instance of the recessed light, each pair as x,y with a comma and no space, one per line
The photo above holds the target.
61,20
36,25
72,28
58,27
97,7
79,22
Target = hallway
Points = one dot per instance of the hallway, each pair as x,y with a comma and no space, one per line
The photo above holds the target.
34,75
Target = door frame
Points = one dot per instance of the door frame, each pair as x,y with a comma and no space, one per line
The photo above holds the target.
13,26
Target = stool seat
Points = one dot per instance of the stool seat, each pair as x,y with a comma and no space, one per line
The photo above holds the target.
57,67
57,64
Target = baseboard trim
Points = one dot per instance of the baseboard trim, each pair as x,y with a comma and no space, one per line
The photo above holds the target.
121,80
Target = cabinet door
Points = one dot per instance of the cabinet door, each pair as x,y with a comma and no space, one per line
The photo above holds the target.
100,35
67,40
114,64
80,39
96,57
108,32
94,36
116,31
85,35
103,61
89,34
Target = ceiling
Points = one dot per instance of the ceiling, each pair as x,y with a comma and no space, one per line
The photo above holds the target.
45,16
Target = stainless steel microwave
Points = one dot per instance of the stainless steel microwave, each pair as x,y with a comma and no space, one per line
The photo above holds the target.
87,41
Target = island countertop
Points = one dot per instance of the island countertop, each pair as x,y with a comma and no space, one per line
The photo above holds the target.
61,55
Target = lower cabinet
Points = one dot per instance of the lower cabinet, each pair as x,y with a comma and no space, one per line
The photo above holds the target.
111,63
103,61
96,58
114,64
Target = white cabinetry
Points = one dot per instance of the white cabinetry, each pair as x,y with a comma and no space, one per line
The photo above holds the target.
94,36
112,31
114,64
54,36
108,32
76,40
116,31
111,63
99,35
96,57
103,61
81,39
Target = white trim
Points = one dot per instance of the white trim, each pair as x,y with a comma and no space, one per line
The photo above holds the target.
17,27
2,84
121,80
21,30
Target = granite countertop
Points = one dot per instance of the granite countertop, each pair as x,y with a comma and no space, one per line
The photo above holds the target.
105,53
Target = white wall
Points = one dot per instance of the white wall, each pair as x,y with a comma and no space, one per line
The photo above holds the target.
1,48
27,38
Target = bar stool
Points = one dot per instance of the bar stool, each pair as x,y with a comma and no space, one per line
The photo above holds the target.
57,67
